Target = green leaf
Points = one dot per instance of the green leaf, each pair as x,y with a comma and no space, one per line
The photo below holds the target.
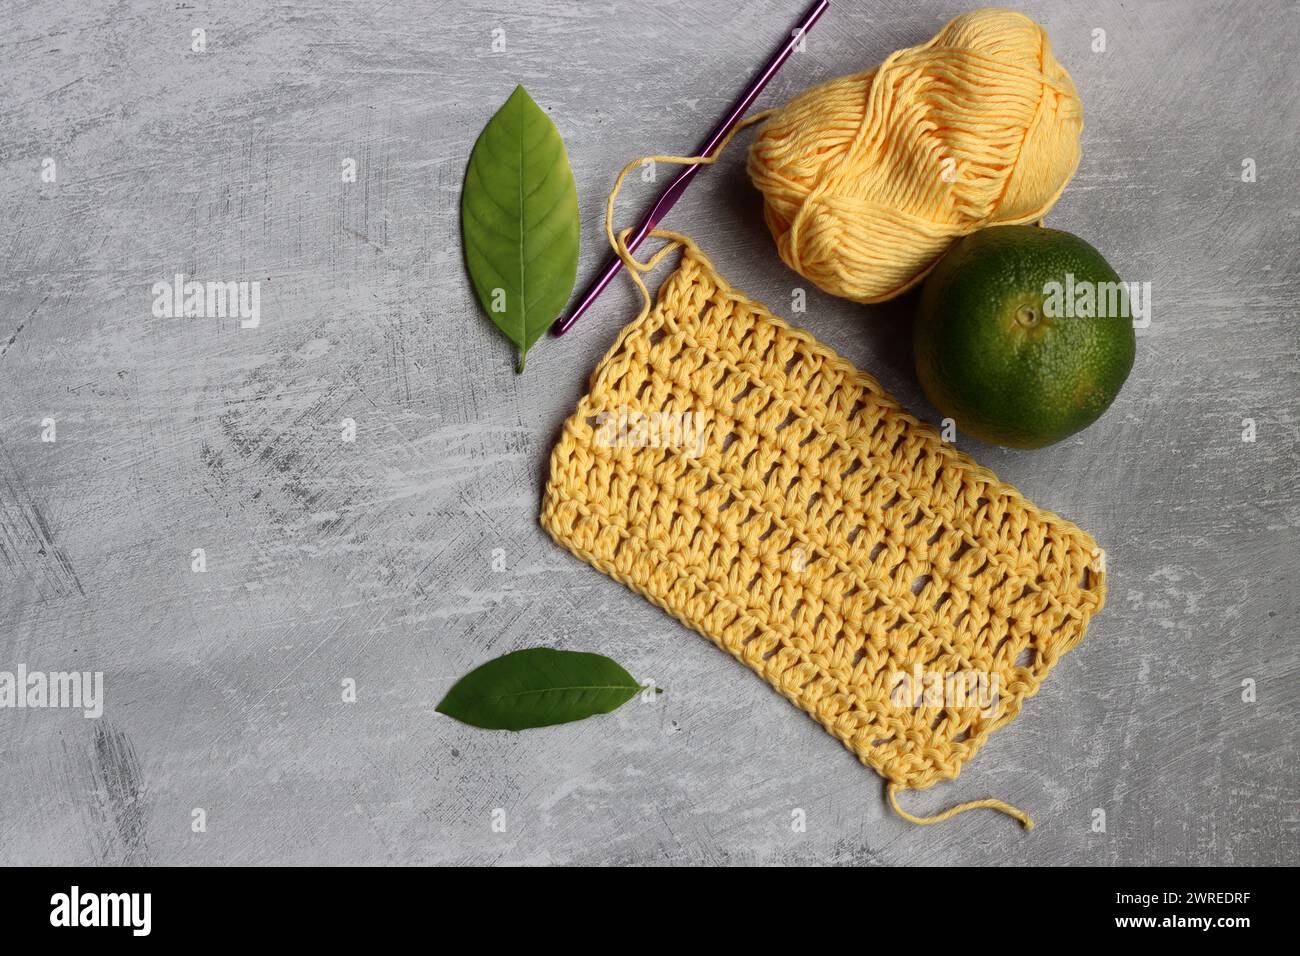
519,221
538,687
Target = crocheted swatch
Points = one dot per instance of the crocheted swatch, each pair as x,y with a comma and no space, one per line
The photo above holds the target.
785,507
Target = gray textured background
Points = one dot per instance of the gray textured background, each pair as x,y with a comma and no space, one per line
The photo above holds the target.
374,560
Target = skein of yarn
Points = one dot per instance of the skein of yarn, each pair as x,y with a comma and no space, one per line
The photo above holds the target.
868,179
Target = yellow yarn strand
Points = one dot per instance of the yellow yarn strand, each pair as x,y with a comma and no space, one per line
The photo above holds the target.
675,239
990,804
868,179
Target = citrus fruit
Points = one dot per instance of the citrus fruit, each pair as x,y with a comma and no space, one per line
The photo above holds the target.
1023,335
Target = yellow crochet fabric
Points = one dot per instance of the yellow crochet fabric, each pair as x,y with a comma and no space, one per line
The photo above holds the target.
784,506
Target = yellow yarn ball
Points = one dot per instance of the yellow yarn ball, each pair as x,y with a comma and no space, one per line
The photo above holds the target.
868,179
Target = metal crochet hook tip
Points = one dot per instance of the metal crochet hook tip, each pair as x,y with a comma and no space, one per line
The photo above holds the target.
673,191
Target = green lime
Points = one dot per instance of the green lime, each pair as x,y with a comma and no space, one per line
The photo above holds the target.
1023,335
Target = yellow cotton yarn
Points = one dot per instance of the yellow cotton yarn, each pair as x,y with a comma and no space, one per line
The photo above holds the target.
868,179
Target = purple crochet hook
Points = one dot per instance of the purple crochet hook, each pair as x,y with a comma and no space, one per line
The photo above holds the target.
674,189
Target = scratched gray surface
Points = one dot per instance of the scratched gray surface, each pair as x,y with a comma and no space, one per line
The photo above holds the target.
374,561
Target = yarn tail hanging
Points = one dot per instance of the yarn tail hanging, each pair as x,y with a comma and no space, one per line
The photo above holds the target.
891,790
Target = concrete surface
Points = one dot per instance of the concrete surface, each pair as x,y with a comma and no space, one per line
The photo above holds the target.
376,561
